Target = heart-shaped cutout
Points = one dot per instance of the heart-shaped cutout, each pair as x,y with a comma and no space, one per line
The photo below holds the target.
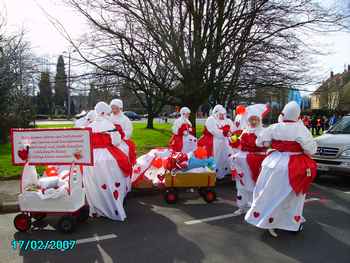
270,220
23,154
117,184
116,195
297,218
256,214
137,170
240,175
239,197
241,182
104,186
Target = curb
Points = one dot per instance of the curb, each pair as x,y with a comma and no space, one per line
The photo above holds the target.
7,207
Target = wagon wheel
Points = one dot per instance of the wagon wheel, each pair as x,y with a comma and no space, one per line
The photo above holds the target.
209,195
22,222
66,224
171,196
83,214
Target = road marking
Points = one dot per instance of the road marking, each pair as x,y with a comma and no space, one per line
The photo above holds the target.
208,219
313,199
214,218
95,238
348,192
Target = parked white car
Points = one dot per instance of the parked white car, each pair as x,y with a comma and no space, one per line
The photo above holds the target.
333,148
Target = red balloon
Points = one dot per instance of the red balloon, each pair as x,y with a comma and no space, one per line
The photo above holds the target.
51,171
200,153
157,162
240,109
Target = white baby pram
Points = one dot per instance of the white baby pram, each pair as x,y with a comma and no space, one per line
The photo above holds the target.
62,195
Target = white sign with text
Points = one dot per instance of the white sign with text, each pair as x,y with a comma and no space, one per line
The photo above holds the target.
52,146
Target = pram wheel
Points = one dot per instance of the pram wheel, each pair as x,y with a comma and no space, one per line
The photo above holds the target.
66,224
22,222
170,196
209,195
83,214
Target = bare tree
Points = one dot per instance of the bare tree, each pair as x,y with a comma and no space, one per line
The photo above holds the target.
214,48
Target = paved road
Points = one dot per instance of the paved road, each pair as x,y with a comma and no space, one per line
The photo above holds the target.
193,231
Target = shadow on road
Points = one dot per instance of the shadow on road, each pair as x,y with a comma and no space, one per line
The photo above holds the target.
146,237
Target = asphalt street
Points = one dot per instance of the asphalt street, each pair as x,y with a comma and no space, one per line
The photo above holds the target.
193,231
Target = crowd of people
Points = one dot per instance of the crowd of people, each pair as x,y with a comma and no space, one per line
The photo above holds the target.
318,123
271,167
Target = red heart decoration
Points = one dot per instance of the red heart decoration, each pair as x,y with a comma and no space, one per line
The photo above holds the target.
104,186
256,214
237,124
116,195
241,182
297,218
270,220
77,155
117,184
160,177
240,175
23,154
239,197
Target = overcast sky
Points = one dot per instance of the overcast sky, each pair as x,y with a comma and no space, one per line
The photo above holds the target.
46,41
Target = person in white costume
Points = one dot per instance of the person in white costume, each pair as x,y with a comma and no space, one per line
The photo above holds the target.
183,139
286,174
124,127
216,140
247,161
106,182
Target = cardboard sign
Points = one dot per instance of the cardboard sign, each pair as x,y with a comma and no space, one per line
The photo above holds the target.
52,146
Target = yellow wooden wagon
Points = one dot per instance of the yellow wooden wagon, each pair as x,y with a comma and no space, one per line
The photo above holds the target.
204,182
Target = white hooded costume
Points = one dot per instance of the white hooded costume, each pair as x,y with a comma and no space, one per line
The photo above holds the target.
286,174
246,163
106,183
216,140
124,127
183,139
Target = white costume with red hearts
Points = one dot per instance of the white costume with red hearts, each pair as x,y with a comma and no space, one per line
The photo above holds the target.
276,203
216,140
183,139
105,183
247,160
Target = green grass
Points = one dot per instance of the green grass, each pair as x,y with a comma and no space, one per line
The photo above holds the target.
145,139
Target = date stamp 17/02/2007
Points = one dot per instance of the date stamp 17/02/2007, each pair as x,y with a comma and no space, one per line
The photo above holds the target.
27,245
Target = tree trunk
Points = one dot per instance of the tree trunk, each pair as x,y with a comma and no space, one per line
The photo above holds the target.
150,118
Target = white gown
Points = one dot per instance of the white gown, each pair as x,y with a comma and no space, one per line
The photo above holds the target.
275,204
105,184
244,183
222,151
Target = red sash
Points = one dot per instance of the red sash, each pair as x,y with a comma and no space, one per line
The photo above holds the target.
103,140
256,155
302,170
129,142
206,141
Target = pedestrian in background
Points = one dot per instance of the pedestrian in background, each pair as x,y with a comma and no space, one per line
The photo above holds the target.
313,124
